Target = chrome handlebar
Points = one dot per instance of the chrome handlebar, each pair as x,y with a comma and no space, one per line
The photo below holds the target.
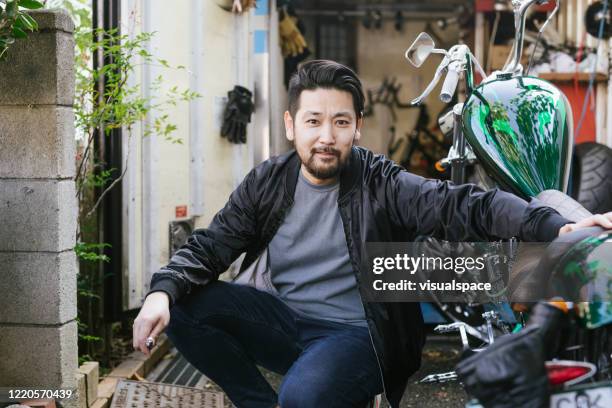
434,81
455,61
520,12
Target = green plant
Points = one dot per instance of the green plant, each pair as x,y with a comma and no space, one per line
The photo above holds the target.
87,292
105,99
120,104
15,22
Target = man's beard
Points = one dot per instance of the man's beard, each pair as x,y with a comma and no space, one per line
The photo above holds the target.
328,169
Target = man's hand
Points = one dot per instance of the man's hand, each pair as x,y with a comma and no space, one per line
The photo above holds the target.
602,220
153,318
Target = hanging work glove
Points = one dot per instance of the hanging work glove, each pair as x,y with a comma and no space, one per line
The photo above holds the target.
292,40
292,62
237,114
240,6
511,372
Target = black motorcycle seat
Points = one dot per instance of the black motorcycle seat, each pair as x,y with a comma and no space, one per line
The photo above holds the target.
564,204
531,273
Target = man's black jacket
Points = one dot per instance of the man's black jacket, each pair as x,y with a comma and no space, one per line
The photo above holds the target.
379,202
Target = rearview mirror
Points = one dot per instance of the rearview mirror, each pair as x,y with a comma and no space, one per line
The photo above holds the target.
420,49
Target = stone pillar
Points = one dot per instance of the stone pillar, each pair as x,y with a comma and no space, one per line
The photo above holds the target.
38,208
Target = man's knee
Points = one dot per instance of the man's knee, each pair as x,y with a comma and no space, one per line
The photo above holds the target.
208,308
187,313
186,329
180,325
201,302
306,392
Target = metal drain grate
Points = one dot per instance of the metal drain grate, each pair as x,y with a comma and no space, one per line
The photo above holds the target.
179,371
141,394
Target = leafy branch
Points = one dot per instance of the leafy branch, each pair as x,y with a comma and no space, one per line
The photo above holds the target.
106,99
15,22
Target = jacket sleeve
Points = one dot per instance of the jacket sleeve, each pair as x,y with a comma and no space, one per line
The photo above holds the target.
466,212
208,252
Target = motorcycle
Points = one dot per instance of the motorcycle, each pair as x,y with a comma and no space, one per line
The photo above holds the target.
517,131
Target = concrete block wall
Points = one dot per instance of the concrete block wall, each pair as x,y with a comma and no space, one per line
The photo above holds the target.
38,209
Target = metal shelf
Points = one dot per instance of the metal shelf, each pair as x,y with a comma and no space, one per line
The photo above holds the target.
571,76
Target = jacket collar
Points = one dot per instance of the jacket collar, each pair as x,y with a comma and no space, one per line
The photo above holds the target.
348,177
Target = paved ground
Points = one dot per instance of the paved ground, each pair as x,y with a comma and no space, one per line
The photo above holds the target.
440,355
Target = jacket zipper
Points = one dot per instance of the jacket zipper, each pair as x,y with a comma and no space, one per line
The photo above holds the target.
382,379
350,244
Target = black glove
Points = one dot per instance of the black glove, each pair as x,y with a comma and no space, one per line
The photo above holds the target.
237,114
551,320
508,374
511,372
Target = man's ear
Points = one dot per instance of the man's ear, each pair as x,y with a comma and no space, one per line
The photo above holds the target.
358,129
288,126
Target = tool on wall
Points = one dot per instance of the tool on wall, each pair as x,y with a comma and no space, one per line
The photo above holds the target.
398,23
240,6
236,6
292,40
372,20
293,44
386,94
419,150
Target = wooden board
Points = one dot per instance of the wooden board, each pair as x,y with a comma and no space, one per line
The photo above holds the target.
571,76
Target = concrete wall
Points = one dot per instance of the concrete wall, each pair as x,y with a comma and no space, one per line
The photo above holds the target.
38,341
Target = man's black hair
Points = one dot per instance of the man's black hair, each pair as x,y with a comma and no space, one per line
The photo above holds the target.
328,75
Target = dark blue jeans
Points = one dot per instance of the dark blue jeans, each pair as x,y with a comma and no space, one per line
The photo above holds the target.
225,330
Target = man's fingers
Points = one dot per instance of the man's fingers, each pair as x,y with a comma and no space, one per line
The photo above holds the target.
599,219
159,327
606,221
142,340
136,334
602,220
142,330
134,338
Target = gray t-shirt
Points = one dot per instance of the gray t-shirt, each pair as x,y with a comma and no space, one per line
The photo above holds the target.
309,258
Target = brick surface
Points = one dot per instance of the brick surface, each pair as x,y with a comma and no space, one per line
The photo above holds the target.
80,400
91,371
37,142
37,215
31,280
42,357
53,19
41,66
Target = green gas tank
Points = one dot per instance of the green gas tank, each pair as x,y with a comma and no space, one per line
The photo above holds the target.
521,129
